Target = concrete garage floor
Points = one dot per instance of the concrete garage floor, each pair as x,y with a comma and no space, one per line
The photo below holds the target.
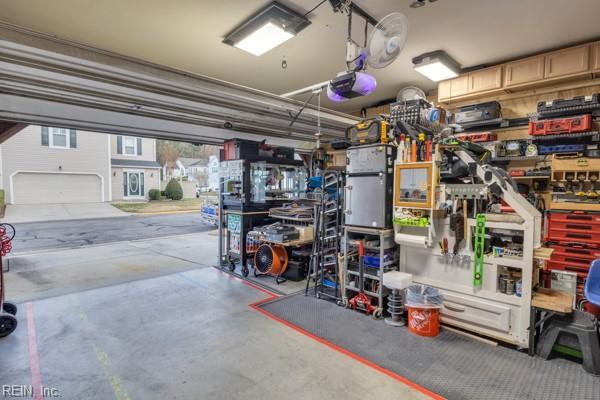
152,319
42,274
188,335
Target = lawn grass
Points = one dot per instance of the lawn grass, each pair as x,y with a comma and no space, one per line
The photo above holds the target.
157,206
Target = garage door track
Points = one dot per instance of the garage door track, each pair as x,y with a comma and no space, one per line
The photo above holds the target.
17,213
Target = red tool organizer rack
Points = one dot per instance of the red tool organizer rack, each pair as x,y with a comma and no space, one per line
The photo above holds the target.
575,238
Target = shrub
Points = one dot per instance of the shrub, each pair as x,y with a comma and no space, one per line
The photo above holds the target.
154,194
173,190
163,194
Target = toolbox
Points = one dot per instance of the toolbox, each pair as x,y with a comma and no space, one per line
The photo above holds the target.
477,137
296,270
236,149
581,123
591,235
560,148
478,113
572,106
574,227
575,238
517,172
368,132
574,253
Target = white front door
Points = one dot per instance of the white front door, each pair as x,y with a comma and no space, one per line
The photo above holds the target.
133,184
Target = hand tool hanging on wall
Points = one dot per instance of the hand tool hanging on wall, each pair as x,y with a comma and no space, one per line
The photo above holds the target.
457,226
478,250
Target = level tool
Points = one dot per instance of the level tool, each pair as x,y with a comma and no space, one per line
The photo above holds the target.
478,250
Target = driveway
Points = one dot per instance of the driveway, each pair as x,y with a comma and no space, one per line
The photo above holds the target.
17,213
75,233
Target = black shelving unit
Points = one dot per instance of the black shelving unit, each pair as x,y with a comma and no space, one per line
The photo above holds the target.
324,265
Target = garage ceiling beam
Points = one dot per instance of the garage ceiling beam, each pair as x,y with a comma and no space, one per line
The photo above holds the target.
36,66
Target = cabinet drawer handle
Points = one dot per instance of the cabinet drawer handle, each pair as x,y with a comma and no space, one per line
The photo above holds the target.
579,217
457,309
578,236
576,268
573,226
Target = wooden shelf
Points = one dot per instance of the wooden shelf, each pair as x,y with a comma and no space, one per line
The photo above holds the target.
543,253
499,225
553,300
504,261
532,177
290,243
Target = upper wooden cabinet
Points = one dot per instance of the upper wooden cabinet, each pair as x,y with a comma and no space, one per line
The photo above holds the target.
522,72
451,88
485,79
595,57
459,86
567,62
547,68
445,90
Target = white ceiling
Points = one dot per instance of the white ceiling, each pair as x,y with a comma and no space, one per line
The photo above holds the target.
187,34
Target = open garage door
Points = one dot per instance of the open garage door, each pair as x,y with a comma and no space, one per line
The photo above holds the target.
50,81
45,188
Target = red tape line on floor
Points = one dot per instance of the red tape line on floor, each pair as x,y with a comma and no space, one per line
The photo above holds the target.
34,360
391,374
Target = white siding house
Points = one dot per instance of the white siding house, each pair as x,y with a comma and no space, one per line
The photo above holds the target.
55,165
45,165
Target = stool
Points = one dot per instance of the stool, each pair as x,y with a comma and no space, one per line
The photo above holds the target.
396,281
581,326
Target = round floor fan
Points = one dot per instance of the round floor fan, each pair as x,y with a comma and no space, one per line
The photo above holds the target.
271,259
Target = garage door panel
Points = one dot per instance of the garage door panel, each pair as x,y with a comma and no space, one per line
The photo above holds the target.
40,188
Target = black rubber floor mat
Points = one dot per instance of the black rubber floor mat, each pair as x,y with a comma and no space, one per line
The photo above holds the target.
451,365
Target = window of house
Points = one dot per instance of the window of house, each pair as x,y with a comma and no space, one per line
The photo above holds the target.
59,138
129,146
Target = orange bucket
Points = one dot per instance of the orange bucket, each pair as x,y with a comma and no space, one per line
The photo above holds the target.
424,321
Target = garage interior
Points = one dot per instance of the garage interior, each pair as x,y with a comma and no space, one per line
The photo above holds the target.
408,201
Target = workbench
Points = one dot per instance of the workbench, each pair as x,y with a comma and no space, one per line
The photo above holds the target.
545,304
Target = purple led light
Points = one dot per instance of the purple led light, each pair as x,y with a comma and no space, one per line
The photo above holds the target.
365,84
333,96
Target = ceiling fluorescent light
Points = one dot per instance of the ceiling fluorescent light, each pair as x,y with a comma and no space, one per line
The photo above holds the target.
267,29
264,39
436,66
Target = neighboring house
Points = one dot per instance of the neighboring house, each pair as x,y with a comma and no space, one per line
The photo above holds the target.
189,168
134,167
213,173
56,165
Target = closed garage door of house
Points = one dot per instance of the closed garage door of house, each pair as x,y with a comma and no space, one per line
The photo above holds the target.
37,188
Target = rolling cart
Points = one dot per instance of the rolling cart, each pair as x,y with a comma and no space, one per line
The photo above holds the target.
238,225
8,322
363,273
